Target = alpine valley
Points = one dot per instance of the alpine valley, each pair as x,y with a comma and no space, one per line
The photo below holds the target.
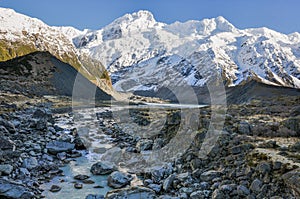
92,114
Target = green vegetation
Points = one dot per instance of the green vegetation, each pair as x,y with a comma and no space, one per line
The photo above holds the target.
10,50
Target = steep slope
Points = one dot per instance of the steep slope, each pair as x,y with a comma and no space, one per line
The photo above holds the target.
21,35
41,73
145,55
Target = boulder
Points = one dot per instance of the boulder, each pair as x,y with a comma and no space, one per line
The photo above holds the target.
118,180
14,191
103,168
55,147
131,193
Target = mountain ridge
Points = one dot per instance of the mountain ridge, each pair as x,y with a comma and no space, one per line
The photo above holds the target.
21,35
268,56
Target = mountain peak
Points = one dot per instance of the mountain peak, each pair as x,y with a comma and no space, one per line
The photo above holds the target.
142,16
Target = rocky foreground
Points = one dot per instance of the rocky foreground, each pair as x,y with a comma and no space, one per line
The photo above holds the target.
256,156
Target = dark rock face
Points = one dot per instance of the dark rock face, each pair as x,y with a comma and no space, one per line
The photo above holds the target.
10,190
52,77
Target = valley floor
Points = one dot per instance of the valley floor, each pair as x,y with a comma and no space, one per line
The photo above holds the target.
255,155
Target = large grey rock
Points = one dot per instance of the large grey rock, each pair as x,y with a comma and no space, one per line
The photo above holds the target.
30,163
131,193
14,191
210,175
55,147
118,179
292,180
103,168
6,169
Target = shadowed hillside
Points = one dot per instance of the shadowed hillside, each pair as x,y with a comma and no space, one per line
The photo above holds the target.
41,73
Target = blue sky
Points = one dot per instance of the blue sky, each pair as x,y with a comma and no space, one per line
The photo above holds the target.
280,15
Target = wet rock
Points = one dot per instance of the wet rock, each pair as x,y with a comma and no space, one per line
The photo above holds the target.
79,143
118,180
78,186
209,175
55,147
256,186
168,182
55,188
131,193
102,168
30,163
61,156
81,177
6,169
14,191
92,196
87,181
292,180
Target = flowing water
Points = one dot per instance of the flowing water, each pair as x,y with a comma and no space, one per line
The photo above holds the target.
89,127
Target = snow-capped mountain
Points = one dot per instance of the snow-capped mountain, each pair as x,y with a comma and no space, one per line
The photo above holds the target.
143,54
21,35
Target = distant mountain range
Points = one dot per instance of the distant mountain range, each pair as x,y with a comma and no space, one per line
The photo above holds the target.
143,55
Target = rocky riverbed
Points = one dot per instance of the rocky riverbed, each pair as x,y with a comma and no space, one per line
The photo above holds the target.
96,153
